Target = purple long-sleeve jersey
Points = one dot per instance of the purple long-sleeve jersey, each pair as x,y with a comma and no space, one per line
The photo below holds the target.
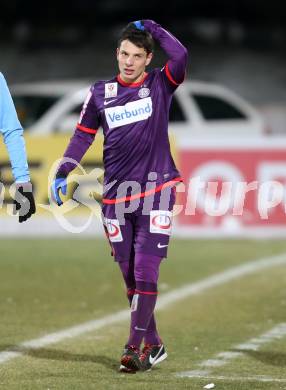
134,119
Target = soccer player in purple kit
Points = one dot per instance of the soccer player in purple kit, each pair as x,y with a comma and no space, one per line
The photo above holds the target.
140,174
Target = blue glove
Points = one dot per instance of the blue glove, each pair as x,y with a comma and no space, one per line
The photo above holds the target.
138,24
59,184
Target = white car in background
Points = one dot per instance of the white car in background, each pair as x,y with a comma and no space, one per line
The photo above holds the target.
201,109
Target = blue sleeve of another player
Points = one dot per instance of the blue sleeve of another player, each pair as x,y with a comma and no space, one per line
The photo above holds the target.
12,132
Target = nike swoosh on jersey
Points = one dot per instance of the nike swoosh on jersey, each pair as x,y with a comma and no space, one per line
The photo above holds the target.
161,246
105,103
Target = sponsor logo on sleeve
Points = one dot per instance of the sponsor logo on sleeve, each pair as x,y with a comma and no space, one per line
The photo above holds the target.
161,222
131,112
113,229
110,90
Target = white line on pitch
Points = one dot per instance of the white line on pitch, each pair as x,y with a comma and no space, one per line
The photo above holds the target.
254,378
164,301
223,358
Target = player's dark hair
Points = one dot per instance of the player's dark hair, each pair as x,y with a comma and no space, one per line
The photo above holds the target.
139,38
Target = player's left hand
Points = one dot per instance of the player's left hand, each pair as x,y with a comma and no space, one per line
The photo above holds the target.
139,25
24,202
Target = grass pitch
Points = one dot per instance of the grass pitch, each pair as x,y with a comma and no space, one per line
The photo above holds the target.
49,285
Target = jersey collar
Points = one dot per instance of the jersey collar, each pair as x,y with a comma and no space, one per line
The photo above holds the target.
131,85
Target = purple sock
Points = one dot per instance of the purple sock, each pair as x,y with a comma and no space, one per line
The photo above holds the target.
147,268
142,308
142,272
151,335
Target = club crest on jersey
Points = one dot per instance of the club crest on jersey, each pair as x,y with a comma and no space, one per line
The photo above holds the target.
143,92
113,229
110,90
161,222
136,111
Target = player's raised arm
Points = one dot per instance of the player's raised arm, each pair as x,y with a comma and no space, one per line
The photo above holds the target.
83,137
177,53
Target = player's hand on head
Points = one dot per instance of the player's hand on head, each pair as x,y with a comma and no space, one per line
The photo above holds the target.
24,203
59,186
139,24
144,25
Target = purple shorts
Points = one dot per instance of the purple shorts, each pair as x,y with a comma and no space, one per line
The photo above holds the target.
144,228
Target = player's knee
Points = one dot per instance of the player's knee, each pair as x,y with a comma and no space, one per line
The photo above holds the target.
146,273
147,268
127,273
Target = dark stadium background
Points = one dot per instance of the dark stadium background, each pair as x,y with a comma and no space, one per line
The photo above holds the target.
229,41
